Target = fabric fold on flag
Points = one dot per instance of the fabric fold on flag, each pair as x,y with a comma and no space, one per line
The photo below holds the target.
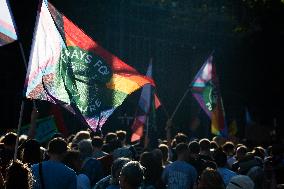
7,26
147,98
205,89
67,67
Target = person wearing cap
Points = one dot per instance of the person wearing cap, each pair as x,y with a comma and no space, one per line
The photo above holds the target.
53,174
240,182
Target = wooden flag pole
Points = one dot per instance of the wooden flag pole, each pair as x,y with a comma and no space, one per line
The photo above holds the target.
178,105
19,127
26,65
23,55
22,106
146,139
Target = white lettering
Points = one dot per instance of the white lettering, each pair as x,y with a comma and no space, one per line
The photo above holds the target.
103,70
82,54
208,104
98,103
92,108
84,110
98,63
67,53
63,58
75,54
88,59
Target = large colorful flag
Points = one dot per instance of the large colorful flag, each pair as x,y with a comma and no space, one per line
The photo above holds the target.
7,26
205,88
67,67
144,107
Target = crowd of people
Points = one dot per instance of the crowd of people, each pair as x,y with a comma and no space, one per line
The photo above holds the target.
88,160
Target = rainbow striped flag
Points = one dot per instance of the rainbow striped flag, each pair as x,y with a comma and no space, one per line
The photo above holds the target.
205,89
67,67
7,26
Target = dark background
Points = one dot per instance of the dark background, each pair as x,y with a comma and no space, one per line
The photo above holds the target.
247,38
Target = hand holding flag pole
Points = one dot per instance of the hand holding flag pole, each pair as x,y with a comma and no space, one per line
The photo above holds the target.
170,120
205,89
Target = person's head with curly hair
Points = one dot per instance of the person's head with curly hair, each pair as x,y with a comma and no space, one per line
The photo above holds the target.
18,175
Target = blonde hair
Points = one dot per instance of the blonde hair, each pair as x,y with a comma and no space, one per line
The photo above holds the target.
80,136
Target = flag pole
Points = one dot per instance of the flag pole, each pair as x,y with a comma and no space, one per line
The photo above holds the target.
178,105
18,131
166,112
23,55
147,131
26,65
22,105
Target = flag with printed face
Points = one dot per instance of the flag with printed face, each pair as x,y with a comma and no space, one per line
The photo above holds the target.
7,26
205,89
69,68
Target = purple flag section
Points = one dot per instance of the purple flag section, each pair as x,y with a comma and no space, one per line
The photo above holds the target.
143,109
